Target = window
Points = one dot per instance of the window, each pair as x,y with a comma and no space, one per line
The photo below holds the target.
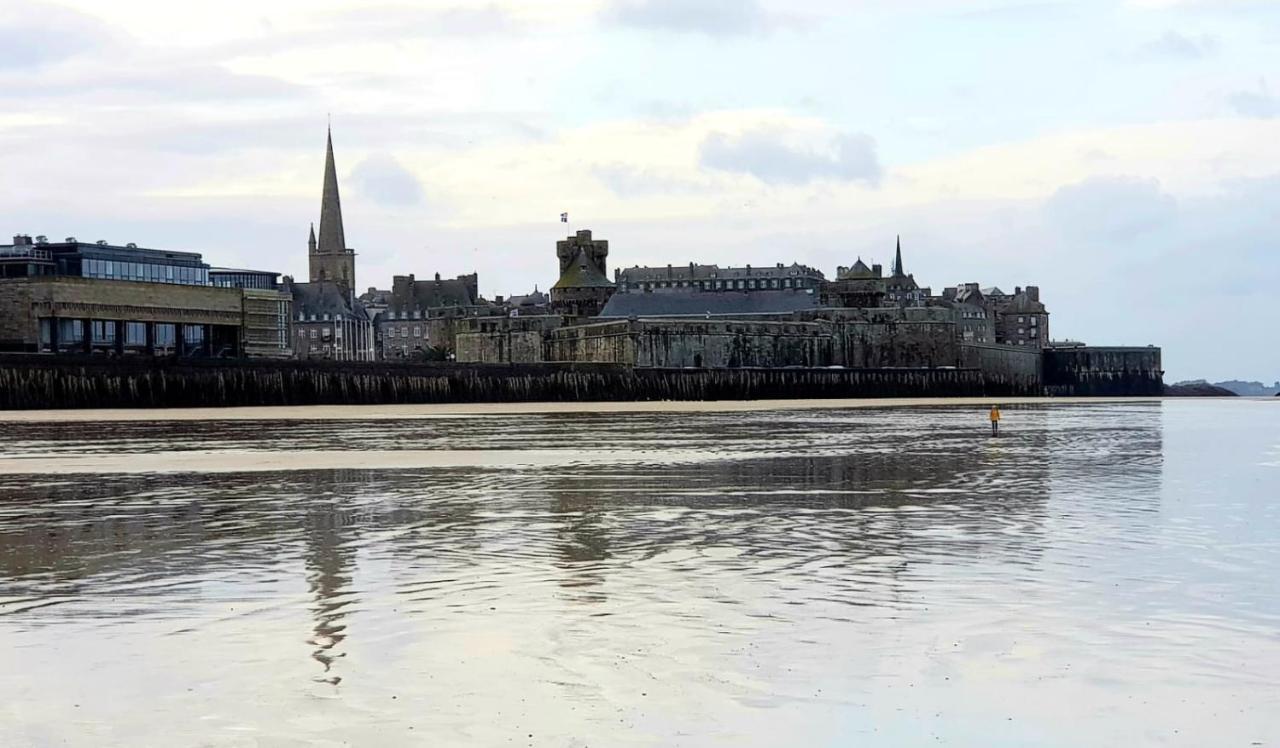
1034,320
417,331
1021,320
404,331
313,333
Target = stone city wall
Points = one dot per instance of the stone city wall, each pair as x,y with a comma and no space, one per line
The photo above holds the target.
895,344
693,343
713,343
1103,371
1018,366
504,347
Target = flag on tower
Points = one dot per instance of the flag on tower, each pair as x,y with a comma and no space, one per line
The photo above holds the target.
564,218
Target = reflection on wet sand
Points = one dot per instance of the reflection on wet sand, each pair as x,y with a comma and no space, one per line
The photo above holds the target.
693,554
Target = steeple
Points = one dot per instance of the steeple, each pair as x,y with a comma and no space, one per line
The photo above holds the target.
897,260
330,258
331,235
311,240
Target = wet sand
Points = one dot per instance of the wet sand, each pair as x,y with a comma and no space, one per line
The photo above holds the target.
644,574
436,410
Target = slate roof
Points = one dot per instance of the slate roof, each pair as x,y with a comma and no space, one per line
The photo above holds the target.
537,298
859,270
1022,304
324,297
332,237
716,303
690,272
582,273
432,294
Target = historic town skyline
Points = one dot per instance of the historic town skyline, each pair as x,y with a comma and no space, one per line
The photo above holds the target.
1127,172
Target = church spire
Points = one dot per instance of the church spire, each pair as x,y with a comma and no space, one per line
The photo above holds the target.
897,259
331,235
311,240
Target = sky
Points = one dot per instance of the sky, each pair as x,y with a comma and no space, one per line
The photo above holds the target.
1124,156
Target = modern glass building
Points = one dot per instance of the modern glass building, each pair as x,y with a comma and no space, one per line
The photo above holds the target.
25,258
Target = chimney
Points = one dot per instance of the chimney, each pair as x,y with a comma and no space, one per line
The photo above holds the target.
878,270
21,241
1017,290
1033,293
42,239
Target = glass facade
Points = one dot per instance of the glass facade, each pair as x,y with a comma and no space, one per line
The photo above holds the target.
243,279
150,272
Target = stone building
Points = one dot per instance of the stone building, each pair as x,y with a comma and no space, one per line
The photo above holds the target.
1022,319
329,321
584,286
989,315
694,277
422,315
900,287
974,314
857,286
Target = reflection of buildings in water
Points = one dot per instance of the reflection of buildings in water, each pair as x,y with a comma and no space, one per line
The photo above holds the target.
899,497
330,560
582,540
98,532
333,520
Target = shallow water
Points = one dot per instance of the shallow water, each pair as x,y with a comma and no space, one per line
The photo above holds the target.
1101,574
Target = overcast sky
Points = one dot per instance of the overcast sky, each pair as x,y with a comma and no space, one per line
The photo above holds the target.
1123,155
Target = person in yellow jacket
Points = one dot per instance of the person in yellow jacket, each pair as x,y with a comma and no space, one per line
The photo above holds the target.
995,420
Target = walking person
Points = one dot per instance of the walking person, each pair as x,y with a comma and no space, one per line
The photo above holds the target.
995,420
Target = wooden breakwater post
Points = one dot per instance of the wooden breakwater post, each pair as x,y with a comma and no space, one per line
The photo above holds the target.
34,381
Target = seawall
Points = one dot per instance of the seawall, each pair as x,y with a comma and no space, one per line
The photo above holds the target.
43,382
1103,371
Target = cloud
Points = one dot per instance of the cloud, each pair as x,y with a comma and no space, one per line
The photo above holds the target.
1173,45
769,155
385,182
1260,104
1111,208
36,35
710,17
632,181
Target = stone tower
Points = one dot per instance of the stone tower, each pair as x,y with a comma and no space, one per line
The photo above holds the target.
330,258
584,287
595,250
